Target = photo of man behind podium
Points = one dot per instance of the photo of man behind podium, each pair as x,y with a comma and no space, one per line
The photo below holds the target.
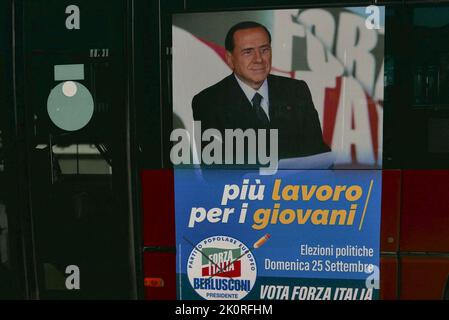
252,98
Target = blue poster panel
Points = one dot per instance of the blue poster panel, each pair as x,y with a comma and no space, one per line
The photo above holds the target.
294,235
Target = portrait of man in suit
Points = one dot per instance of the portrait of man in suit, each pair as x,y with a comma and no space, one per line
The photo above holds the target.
252,98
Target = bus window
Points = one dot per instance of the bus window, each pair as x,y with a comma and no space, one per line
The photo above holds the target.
431,67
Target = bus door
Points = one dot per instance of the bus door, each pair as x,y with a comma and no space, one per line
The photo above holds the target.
73,108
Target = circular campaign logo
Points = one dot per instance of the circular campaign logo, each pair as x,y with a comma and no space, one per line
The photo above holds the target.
221,268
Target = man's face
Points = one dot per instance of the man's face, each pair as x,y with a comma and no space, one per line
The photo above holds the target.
251,58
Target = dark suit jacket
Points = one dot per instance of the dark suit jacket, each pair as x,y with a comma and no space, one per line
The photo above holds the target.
225,106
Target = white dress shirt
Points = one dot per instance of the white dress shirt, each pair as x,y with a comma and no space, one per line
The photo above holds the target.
250,92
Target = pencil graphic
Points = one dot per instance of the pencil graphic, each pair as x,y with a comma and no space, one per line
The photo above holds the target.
261,241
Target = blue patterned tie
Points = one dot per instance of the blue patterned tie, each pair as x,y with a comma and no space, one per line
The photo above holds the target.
261,115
